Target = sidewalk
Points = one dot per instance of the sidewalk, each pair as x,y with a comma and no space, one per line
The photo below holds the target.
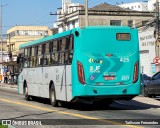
147,100
8,85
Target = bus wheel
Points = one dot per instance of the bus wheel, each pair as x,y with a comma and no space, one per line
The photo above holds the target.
53,100
27,97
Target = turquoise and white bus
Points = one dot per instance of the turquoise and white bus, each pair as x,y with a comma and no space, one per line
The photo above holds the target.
96,63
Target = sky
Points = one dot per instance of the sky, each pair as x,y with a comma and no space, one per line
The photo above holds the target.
37,12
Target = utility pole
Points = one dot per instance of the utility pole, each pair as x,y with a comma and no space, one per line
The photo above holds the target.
1,37
86,13
157,27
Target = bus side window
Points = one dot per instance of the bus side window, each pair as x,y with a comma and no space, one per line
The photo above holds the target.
21,60
62,51
54,56
70,57
67,51
33,57
25,58
36,56
46,53
39,55
30,56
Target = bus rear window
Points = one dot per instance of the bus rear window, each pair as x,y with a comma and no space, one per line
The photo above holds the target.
123,36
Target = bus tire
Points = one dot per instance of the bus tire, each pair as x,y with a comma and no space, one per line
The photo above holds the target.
27,97
53,99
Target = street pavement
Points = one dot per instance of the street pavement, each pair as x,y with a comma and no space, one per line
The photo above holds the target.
141,98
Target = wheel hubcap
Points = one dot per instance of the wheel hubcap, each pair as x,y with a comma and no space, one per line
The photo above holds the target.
52,96
26,91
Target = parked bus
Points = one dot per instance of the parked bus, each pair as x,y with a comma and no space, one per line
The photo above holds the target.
98,64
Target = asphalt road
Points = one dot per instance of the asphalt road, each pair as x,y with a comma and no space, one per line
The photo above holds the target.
14,107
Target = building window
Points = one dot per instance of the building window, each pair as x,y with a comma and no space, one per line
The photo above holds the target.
29,33
130,23
115,22
73,23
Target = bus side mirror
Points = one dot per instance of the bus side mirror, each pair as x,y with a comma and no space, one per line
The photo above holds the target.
18,59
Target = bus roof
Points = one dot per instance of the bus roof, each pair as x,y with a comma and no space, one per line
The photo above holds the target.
47,38
67,33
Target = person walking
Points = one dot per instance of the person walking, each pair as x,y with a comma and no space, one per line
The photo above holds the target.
0,77
5,77
9,77
12,77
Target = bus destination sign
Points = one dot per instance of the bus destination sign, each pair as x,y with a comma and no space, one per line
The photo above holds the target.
123,36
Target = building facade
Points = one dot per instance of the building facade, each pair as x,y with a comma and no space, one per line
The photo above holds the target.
22,34
103,14
137,6
147,45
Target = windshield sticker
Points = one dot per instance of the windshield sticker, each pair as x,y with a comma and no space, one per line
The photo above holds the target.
94,69
92,77
91,60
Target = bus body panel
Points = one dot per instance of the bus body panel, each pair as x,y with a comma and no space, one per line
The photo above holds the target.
42,77
108,63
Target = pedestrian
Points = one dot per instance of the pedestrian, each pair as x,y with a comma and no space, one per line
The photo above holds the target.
0,77
12,77
5,77
9,77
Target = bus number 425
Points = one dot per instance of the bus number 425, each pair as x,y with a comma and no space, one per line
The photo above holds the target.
124,60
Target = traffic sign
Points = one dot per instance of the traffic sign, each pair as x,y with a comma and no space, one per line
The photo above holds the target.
156,60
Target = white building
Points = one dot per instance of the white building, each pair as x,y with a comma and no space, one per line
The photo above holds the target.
152,5
147,50
138,6
67,8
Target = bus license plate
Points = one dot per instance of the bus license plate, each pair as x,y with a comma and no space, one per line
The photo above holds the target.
109,77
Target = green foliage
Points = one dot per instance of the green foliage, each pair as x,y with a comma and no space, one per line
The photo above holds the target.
2,126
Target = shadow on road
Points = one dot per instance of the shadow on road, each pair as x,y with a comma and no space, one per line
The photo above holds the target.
116,105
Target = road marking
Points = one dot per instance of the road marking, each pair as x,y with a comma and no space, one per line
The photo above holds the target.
68,113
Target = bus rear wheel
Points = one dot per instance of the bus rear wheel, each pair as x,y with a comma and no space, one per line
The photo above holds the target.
53,100
27,97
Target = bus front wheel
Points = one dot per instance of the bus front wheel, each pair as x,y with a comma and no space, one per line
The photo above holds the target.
27,97
53,100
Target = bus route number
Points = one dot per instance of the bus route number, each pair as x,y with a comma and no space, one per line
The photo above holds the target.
124,60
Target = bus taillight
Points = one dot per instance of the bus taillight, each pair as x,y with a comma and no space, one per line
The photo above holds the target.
81,76
135,75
